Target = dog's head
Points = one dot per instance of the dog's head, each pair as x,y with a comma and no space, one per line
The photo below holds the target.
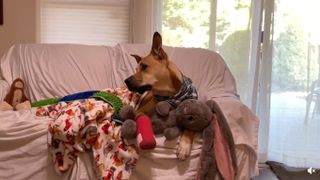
155,72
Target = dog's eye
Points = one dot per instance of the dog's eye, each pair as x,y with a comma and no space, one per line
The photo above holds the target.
143,66
190,118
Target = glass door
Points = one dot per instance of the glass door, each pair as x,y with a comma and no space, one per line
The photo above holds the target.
224,26
294,130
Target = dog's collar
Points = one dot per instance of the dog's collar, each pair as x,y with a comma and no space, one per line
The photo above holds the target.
187,91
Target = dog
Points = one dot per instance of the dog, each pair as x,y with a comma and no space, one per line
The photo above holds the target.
158,78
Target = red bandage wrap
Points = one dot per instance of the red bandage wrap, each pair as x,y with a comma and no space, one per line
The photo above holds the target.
145,135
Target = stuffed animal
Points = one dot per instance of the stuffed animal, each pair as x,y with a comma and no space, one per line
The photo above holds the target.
191,114
128,128
16,99
218,150
141,128
205,117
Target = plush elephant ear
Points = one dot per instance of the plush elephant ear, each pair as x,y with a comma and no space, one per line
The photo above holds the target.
224,147
223,151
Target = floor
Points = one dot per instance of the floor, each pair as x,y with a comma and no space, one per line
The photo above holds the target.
293,138
265,173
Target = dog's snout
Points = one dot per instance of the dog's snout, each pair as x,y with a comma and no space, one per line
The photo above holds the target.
134,85
128,81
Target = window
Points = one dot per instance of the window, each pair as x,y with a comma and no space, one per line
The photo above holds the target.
221,25
230,27
294,104
95,22
278,76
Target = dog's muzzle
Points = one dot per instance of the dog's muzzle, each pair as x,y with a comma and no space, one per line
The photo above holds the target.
136,87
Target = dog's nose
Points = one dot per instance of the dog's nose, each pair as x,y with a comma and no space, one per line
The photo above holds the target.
127,81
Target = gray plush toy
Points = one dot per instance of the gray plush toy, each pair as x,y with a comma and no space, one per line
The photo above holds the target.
205,117
191,114
128,128
196,116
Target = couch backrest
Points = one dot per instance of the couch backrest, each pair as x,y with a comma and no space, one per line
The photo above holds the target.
59,69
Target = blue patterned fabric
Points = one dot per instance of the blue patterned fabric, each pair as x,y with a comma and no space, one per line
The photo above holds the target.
77,96
187,91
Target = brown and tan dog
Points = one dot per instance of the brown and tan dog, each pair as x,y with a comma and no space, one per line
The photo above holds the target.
157,76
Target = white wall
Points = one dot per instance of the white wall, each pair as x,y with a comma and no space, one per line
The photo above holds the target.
144,24
19,24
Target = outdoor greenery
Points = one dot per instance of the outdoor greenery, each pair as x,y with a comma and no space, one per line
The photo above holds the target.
294,63
289,67
187,23
235,52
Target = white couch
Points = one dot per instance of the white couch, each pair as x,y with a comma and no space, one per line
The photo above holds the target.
62,69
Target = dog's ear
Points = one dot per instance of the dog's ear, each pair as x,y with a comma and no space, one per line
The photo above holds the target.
157,50
138,58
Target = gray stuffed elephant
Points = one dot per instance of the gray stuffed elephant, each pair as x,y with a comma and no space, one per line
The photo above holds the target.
191,114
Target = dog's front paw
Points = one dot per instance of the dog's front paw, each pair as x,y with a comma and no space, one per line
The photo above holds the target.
183,150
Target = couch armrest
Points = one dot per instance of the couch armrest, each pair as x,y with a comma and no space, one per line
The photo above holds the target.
4,88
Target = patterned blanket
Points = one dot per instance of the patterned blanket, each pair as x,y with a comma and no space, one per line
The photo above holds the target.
85,124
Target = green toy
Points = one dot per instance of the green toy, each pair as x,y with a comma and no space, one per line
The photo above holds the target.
113,100
45,102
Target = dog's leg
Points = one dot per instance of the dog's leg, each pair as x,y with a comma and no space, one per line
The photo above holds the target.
147,106
147,109
185,144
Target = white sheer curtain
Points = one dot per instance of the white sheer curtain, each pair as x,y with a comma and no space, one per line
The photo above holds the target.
226,26
294,130
274,70
230,27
